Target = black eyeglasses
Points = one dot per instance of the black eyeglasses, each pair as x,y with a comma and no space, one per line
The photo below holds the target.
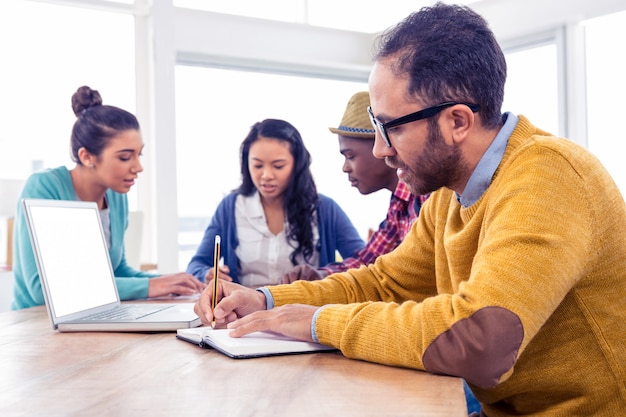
418,115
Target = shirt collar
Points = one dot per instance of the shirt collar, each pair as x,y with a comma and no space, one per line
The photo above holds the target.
402,191
483,173
253,207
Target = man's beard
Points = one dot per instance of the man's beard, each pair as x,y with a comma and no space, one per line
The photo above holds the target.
439,165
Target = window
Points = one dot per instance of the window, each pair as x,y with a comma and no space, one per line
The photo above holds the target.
280,10
606,88
59,49
532,89
366,16
215,109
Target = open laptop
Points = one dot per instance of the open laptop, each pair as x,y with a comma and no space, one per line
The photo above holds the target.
77,278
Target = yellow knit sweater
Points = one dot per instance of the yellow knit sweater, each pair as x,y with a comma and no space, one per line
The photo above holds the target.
523,294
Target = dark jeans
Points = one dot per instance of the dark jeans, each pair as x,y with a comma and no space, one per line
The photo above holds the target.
473,406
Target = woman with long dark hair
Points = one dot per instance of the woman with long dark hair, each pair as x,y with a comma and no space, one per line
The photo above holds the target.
275,219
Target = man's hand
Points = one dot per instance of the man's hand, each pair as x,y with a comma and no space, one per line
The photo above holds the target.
292,320
235,301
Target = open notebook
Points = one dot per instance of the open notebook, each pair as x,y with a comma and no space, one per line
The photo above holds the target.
77,277
252,345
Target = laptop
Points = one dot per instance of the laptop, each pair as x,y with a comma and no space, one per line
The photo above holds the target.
77,277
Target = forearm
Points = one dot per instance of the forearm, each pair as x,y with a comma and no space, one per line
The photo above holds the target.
379,244
332,289
362,331
124,270
198,268
132,288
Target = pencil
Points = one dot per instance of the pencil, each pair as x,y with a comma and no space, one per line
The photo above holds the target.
216,273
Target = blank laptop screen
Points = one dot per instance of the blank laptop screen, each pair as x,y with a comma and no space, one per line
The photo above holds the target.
74,258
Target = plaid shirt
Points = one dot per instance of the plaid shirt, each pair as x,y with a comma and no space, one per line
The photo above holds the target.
403,210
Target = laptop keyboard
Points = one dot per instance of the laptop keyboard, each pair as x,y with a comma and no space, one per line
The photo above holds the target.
128,312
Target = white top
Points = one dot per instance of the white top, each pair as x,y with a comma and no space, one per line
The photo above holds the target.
106,226
106,222
263,256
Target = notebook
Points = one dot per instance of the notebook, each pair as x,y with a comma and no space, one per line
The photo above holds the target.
253,345
77,277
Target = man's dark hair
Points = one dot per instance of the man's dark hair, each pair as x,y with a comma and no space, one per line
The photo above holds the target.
449,54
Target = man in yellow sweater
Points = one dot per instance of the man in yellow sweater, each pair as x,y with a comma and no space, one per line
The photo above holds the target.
514,275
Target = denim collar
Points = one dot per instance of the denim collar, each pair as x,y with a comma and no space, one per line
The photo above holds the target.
483,173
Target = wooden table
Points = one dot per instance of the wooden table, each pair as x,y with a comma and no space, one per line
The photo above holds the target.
46,373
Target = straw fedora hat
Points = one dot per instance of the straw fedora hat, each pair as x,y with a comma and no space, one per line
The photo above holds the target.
356,122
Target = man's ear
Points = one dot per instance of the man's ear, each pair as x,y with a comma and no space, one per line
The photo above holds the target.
461,123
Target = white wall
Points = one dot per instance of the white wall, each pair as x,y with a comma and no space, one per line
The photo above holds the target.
6,290
211,38
222,39
165,34
514,19
216,39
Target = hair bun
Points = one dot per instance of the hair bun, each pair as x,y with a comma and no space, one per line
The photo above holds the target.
84,98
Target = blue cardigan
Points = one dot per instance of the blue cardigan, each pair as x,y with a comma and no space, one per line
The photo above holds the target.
336,233
56,184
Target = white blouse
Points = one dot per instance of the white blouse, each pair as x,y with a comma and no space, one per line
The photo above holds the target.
263,256
106,225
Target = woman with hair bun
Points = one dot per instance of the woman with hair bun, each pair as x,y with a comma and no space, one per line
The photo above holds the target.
106,145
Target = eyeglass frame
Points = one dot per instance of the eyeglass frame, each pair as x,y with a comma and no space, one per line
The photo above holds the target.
412,117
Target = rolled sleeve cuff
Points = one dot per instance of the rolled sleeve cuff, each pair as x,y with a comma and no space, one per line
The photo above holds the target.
314,321
269,299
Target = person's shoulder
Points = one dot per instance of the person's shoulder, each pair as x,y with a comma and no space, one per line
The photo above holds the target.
228,202
230,197
327,207
326,201
526,138
560,145
529,142
48,178
48,174
49,183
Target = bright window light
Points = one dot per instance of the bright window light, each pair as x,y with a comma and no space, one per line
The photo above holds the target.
215,109
606,87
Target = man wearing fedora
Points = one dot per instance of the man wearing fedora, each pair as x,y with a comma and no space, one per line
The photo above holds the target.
367,174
